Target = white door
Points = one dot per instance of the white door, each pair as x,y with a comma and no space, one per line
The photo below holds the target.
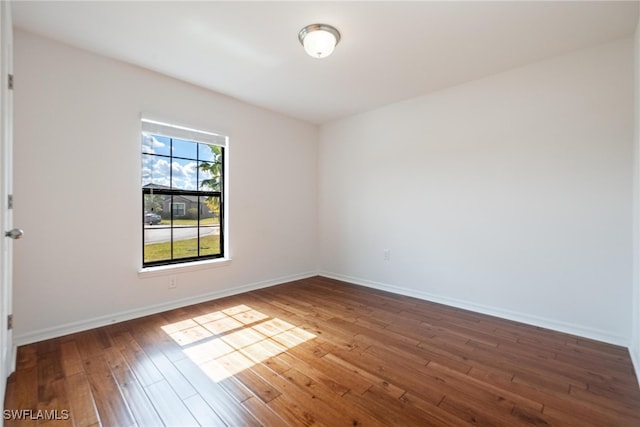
6,242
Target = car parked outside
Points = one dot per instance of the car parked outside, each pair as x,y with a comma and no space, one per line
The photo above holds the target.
152,218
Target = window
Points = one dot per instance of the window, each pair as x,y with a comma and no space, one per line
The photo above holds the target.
178,209
182,194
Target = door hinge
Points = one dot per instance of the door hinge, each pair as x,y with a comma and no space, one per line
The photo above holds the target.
10,322
10,83
10,201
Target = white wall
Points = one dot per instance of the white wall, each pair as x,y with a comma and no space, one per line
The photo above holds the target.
77,190
510,195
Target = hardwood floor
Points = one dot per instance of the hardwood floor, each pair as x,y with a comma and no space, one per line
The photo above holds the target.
322,352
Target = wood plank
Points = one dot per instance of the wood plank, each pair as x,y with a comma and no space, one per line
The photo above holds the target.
483,391
305,404
234,387
150,336
112,409
222,403
22,395
171,408
263,412
319,375
436,416
368,377
89,344
131,390
623,406
52,393
27,357
258,385
386,411
81,403
561,405
406,379
336,411
176,380
137,359
294,411
202,412
70,357
469,412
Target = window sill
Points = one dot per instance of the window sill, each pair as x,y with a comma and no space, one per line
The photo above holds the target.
165,270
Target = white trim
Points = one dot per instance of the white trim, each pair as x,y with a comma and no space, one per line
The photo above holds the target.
164,270
569,328
96,322
183,132
14,357
635,362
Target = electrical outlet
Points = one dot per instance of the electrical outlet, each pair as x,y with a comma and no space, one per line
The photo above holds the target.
173,283
387,254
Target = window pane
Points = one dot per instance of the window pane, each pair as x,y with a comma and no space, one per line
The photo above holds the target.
185,149
154,205
183,174
179,210
154,144
209,210
208,176
157,243
209,241
185,210
155,171
208,152
185,242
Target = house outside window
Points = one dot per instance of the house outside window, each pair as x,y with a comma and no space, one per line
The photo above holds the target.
182,194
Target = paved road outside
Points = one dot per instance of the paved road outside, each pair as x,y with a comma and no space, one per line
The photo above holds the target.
161,234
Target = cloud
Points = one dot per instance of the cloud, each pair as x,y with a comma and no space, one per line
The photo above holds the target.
184,174
157,170
150,144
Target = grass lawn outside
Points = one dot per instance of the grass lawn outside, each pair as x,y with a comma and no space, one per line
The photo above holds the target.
193,222
209,245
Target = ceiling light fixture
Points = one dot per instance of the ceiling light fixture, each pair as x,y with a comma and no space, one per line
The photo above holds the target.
319,40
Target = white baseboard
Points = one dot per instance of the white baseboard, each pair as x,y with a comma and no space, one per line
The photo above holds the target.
96,322
569,328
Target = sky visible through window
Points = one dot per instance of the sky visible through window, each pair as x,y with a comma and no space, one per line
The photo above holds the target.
183,171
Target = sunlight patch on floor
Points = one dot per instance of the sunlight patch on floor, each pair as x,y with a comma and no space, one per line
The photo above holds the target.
226,342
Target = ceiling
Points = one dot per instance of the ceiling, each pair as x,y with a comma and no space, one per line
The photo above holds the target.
390,51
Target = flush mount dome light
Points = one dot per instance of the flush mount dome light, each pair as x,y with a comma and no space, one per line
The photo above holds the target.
319,40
